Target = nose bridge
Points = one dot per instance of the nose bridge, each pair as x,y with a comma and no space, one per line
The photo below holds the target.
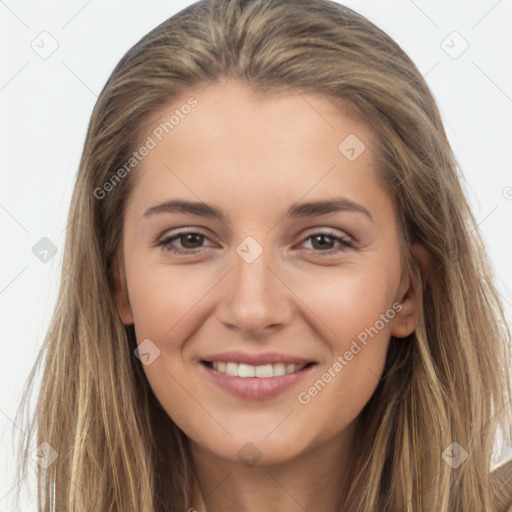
251,276
254,298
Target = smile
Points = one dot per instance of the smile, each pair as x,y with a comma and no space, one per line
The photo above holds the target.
268,376
262,371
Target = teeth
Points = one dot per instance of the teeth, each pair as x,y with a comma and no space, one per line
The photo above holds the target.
246,370
263,371
232,369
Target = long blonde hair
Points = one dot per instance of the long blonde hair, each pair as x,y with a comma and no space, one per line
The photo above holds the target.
117,448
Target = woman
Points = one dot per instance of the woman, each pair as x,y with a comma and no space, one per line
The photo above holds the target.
372,375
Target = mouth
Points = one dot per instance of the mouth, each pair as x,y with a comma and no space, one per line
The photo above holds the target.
268,376
264,371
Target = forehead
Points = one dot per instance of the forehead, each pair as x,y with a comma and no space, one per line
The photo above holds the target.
246,115
235,142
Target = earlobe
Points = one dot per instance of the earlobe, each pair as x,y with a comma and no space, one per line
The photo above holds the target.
411,295
406,319
121,296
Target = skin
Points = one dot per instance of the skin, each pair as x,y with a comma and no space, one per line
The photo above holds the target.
254,156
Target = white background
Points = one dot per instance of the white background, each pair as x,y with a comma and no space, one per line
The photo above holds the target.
46,104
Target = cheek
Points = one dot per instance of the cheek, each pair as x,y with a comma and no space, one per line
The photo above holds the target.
163,298
357,307
350,300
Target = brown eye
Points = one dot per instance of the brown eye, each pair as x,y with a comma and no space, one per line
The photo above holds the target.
184,242
322,241
326,242
191,240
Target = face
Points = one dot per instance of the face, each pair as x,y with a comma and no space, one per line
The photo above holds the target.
282,255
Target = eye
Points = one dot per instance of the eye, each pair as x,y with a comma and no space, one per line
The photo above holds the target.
190,241
322,241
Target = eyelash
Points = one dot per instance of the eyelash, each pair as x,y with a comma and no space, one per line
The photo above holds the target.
345,243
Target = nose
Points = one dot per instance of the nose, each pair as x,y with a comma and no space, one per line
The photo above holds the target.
255,300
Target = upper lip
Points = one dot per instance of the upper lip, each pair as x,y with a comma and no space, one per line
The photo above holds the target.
235,356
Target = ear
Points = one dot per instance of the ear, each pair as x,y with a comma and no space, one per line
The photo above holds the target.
121,294
410,294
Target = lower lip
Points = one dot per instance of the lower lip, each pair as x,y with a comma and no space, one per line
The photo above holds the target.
255,387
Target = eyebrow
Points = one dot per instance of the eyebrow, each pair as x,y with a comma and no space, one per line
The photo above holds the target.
309,209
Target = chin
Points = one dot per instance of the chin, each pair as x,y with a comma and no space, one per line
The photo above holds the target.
251,448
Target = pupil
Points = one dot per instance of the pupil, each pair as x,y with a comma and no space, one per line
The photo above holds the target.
321,237
190,236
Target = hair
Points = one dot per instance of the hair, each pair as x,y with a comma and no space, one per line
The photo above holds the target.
118,450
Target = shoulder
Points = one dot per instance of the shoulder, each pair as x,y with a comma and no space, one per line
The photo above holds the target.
501,482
